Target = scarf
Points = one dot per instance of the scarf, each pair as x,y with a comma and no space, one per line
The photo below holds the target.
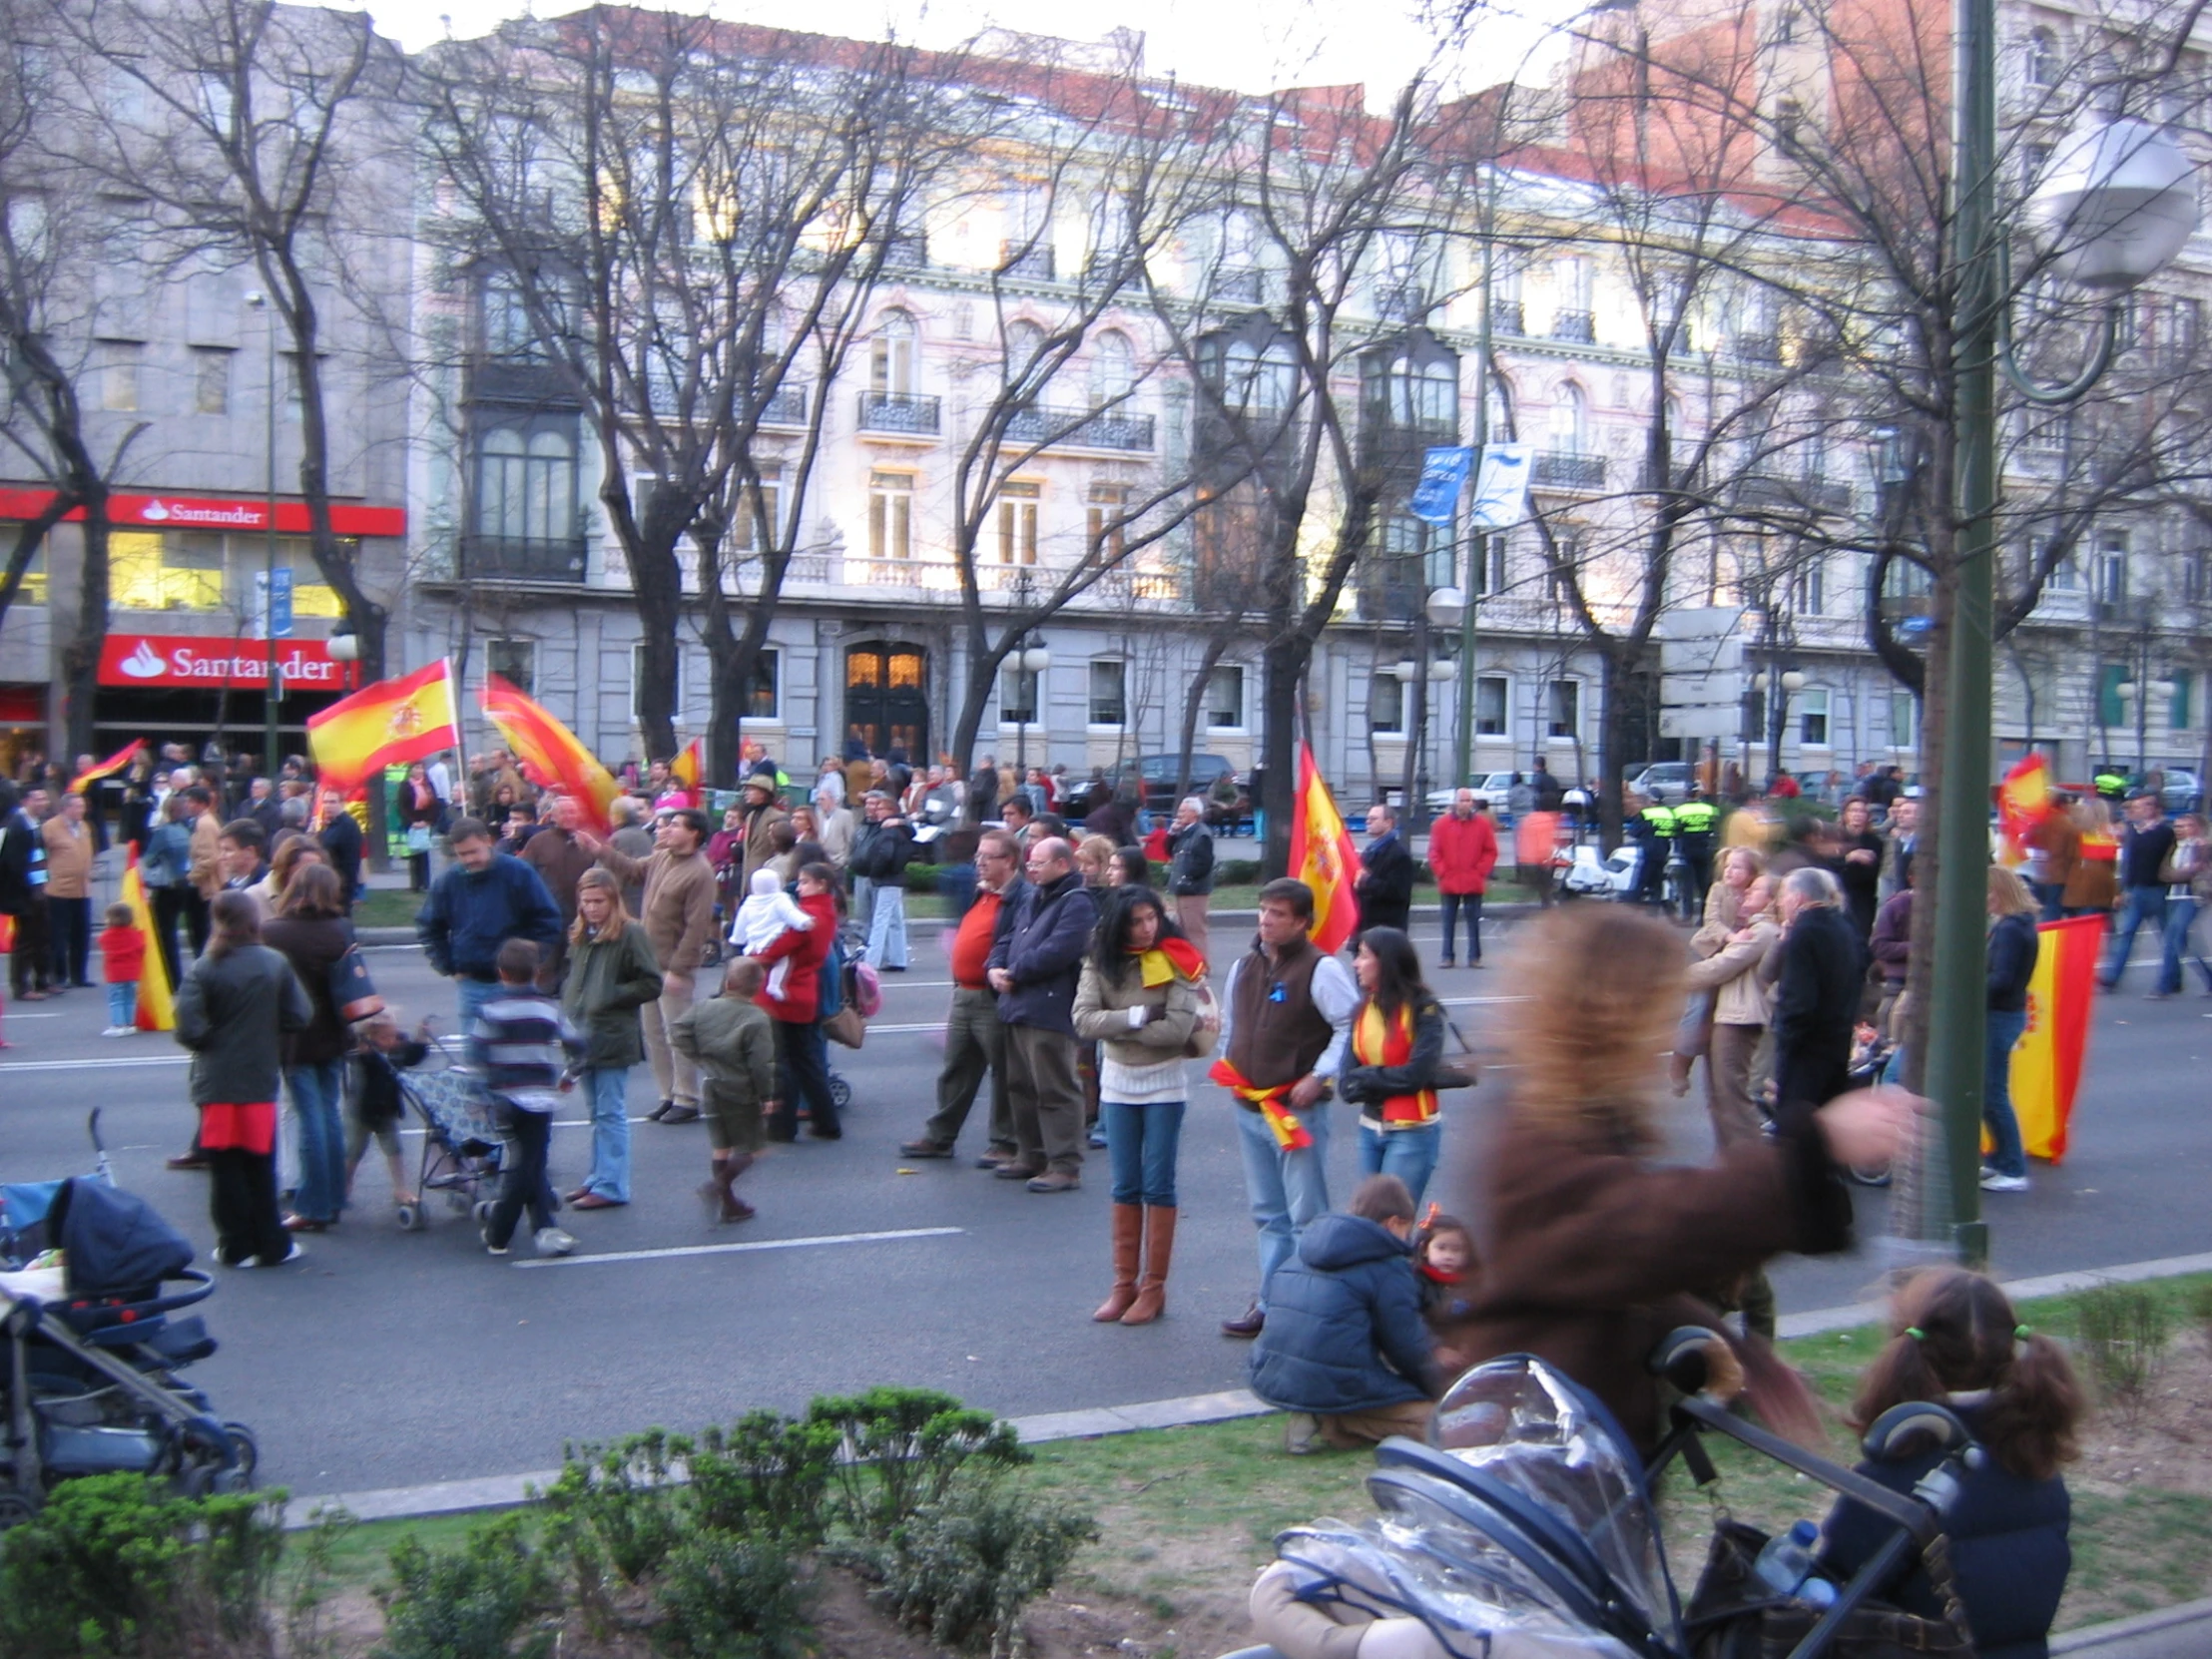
1377,1041
1289,1134
1169,959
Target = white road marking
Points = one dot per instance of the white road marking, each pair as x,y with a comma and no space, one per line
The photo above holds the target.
737,1249
7,1066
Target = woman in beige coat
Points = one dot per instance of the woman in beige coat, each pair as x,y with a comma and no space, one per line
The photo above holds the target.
1741,976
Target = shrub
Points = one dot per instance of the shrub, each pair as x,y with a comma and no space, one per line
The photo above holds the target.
2123,1331
621,1496
1237,872
963,1568
902,1447
726,1597
111,1567
2200,1309
472,1602
768,1474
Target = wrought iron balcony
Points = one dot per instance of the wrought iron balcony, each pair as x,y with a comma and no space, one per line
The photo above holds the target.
1031,261
500,558
1759,348
904,413
1578,327
1810,495
1507,317
908,251
1400,302
1562,469
1081,429
1241,285
788,407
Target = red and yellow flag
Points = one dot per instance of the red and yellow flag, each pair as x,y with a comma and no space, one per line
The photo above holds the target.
157,1005
1272,1104
1323,857
2024,800
686,768
2047,1064
549,752
390,723
108,767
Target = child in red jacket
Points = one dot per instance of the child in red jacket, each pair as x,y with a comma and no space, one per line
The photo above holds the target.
122,960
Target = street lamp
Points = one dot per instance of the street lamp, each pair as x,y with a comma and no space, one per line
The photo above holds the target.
2115,207
344,645
1032,659
273,687
1444,608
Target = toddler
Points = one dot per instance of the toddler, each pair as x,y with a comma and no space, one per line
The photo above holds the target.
733,1043
767,912
1446,1268
122,962
385,1052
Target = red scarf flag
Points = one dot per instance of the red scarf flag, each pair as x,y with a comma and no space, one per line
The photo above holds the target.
686,768
391,722
1289,1134
1323,857
108,767
2024,800
549,752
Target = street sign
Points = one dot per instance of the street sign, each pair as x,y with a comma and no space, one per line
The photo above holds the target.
1502,487
1701,678
1701,722
1701,691
1701,657
272,604
1443,473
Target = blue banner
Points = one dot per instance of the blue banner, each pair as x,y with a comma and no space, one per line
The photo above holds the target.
1443,473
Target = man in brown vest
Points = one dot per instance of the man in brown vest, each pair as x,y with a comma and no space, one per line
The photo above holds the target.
1286,1019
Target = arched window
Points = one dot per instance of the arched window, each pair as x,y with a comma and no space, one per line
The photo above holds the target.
2042,58
892,356
1113,368
1570,420
1024,343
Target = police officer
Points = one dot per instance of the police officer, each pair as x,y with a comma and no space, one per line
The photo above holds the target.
2110,784
1653,830
1694,822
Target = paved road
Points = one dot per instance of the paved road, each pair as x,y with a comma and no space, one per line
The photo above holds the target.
389,1358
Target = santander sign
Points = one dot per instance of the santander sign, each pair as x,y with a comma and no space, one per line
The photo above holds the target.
210,662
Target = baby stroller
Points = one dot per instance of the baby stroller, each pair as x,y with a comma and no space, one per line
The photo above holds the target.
463,1145
93,1349
1524,1529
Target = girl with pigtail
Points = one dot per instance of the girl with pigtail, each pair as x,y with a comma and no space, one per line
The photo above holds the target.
1955,1340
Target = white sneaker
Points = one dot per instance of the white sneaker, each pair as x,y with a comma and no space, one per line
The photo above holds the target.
1992,1182
115,1031
551,1241
291,1256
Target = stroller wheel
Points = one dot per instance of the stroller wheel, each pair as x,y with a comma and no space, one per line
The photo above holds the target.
1877,1176
483,1213
840,1092
411,1217
15,1508
249,1453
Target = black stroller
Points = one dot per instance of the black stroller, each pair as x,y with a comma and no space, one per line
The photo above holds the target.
463,1142
94,1346
1524,1529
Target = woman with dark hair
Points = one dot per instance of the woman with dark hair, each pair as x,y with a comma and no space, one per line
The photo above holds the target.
1129,867
1141,998
419,821
802,1066
612,973
237,1006
311,931
1397,1042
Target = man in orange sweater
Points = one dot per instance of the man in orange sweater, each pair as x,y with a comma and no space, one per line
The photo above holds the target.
1462,850
975,1038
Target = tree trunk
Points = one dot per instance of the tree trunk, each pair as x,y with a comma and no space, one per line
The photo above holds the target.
1612,746
1281,724
659,585
81,656
1194,703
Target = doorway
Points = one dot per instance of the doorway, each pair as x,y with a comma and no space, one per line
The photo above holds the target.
886,706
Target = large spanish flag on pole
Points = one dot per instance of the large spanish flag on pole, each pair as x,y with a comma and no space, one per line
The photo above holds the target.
1323,857
108,767
2024,800
686,766
549,752
2047,1064
390,723
157,1006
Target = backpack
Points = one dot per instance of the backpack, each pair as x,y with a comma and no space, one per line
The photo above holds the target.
832,993
863,989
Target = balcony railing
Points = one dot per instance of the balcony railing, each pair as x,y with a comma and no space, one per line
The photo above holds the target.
1033,262
1816,495
1507,317
904,413
1124,586
521,381
1759,348
1561,469
788,407
1578,327
1244,286
908,252
1400,302
498,558
1081,429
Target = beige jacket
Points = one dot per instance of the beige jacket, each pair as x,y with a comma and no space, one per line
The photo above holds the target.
207,866
679,904
1742,976
68,859
1722,902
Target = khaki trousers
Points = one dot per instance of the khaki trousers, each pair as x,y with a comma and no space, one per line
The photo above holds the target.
677,1076
1357,1428
1046,1096
1728,1082
974,1043
1190,913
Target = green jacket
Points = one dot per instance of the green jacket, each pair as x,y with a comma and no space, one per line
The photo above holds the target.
733,1043
607,982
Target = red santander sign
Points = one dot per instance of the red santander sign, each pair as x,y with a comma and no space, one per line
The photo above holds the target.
208,662
191,512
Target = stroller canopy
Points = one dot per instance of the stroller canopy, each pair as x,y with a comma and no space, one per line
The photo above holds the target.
114,1242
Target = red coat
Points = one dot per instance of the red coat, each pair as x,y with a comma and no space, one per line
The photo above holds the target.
800,1004
1461,855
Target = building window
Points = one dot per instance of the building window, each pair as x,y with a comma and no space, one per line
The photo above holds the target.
1569,420
2065,575
507,330
526,483
1113,370
1567,708
1809,588
2042,58
1386,705
2195,567
1224,693
1109,706
2111,707
1108,524
762,504
1490,705
517,662
1017,697
891,361
1559,573
1904,721
2112,569
120,362
210,380
1813,719
1017,522
1489,566
1789,122
763,700
891,515
1785,26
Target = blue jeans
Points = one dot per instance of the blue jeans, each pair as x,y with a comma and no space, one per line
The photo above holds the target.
2142,905
1408,1154
2006,1158
609,1088
1140,1150
123,1004
1286,1190
316,1093
2051,896
2181,914
887,927
1454,904
471,995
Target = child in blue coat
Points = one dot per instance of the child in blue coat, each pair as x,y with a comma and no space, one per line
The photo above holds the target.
1957,1341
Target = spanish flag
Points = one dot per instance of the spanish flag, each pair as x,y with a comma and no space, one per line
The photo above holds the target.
1323,857
686,768
108,767
390,723
2024,800
549,752
157,1006
2046,1062
1273,1105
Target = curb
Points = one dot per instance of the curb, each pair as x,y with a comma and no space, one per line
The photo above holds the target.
2184,1632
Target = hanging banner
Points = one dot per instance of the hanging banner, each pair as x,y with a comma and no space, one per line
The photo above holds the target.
1502,487
1443,473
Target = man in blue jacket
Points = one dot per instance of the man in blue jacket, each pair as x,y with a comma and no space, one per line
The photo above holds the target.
484,898
1345,1349
1033,966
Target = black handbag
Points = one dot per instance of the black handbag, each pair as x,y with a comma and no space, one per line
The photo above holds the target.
1734,1616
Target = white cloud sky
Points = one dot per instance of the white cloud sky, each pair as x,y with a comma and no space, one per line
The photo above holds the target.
1248,46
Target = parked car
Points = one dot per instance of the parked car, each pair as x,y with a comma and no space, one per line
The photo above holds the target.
2184,791
1158,775
1493,788
1667,781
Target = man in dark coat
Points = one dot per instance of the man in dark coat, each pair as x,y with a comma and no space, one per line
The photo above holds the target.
1816,1004
341,844
1033,966
1386,885
1345,1349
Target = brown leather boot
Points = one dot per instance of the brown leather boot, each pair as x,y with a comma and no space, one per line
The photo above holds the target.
1128,1237
1159,1251
734,1208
